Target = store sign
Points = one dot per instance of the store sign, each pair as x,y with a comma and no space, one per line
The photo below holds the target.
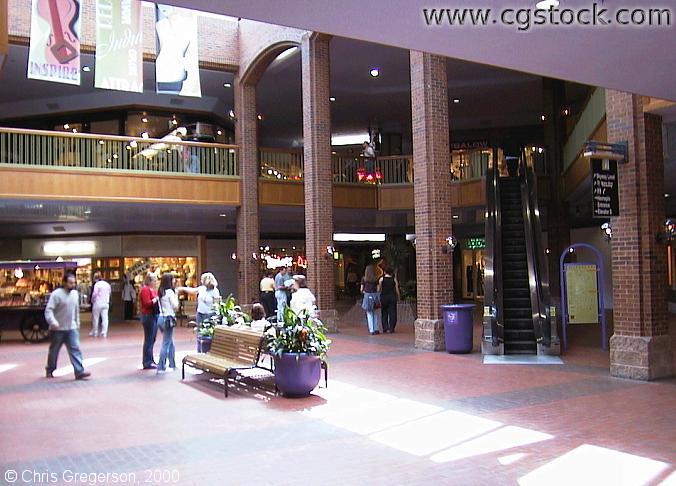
605,189
470,145
476,243
275,262
582,293
54,52
119,45
177,62
69,248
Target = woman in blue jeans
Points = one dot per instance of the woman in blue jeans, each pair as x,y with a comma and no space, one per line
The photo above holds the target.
166,322
371,301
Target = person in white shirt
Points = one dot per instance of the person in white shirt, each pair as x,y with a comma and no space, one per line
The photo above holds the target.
303,299
100,306
258,321
207,296
166,322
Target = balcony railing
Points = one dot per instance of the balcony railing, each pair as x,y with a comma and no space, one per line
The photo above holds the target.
40,148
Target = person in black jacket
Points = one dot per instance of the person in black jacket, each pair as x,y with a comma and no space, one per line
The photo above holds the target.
388,286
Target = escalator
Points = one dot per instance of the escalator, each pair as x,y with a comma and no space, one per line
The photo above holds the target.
517,304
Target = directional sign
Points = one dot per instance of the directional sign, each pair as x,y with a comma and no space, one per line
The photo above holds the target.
605,190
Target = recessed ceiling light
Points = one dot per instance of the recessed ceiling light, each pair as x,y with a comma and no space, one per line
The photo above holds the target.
144,120
223,215
260,117
374,72
86,69
332,98
66,126
227,85
543,117
455,216
219,132
456,100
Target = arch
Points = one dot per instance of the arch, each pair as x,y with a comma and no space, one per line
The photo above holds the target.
255,69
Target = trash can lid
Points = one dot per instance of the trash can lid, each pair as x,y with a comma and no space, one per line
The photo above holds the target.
457,306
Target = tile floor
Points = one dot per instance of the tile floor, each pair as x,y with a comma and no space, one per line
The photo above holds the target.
391,415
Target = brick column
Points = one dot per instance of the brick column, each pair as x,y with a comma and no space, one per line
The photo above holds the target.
247,214
640,348
318,178
431,157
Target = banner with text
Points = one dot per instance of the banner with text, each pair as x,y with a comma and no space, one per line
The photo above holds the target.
119,45
177,62
605,189
54,52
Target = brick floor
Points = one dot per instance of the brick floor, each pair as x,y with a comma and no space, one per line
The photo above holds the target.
391,415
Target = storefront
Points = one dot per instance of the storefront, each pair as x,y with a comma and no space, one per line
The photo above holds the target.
472,268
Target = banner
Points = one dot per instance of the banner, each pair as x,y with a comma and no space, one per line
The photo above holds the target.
177,62
54,52
119,45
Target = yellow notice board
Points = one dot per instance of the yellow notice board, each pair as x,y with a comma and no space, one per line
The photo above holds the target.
583,294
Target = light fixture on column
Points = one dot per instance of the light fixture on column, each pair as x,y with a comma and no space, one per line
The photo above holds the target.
233,255
449,244
607,231
329,252
668,233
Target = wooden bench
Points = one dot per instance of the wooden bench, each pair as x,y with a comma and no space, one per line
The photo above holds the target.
232,350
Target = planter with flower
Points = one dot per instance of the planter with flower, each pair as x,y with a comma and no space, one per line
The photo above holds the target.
205,333
299,346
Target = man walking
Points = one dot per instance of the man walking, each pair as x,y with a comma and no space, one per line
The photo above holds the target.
63,316
100,306
280,292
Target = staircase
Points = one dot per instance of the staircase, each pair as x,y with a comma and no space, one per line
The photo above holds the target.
519,337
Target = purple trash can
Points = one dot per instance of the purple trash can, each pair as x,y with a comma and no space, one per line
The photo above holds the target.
458,327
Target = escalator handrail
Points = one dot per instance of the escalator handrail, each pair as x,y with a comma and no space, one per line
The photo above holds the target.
493,256
538,272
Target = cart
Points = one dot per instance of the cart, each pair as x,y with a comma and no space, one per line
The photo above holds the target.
24,290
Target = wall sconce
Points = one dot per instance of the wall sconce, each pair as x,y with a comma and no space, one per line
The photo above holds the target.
450,243
329,252
607,231
233,255
668,233
254,257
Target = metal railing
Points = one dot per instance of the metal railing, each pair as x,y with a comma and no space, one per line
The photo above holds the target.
41,148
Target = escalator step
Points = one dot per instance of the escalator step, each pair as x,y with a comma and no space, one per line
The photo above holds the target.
517,313
512,335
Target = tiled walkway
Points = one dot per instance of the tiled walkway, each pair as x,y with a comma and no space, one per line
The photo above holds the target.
391,415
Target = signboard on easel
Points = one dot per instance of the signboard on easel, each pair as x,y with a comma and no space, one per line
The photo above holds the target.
582,293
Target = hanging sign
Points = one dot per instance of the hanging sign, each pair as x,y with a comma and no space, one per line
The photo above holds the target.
477,243
54,52
605,190
177,62
582,293
470,144
119,45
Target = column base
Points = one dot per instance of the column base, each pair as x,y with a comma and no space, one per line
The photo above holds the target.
429,334
330,319
488,348
554,349
641,357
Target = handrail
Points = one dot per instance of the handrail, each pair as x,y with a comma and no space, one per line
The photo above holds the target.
73,151
538,278
493,320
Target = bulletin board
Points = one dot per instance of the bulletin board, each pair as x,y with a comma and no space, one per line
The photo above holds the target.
582,293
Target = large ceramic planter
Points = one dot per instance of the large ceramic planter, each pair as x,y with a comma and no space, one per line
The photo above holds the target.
297,374
203,344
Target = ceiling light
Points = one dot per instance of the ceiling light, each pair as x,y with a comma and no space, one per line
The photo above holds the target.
332,98
223,215
88,211
667,195
144,120
145,135
227,85
66,126
260,117
219,132
86,69
374,72
101,142
456,100
231,113
566,112
74,130
362,237
455,216
543,117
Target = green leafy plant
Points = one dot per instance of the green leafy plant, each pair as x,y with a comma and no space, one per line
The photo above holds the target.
298,333
409,290
396,252
230,313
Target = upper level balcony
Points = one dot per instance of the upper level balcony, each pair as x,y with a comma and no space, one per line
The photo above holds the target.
37,164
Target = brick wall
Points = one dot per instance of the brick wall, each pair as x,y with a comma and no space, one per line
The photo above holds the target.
247,214
639,262
318,170
429,102
218,39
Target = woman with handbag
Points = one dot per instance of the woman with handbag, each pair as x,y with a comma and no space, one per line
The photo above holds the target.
371,301
167,322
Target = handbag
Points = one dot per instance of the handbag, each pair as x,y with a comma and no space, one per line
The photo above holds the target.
170,321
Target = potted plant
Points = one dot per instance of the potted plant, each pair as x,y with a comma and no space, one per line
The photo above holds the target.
298,345
205,334
231,314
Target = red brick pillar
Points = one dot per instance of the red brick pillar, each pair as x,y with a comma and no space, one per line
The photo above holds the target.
247,214
431,158
318,173
640,348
